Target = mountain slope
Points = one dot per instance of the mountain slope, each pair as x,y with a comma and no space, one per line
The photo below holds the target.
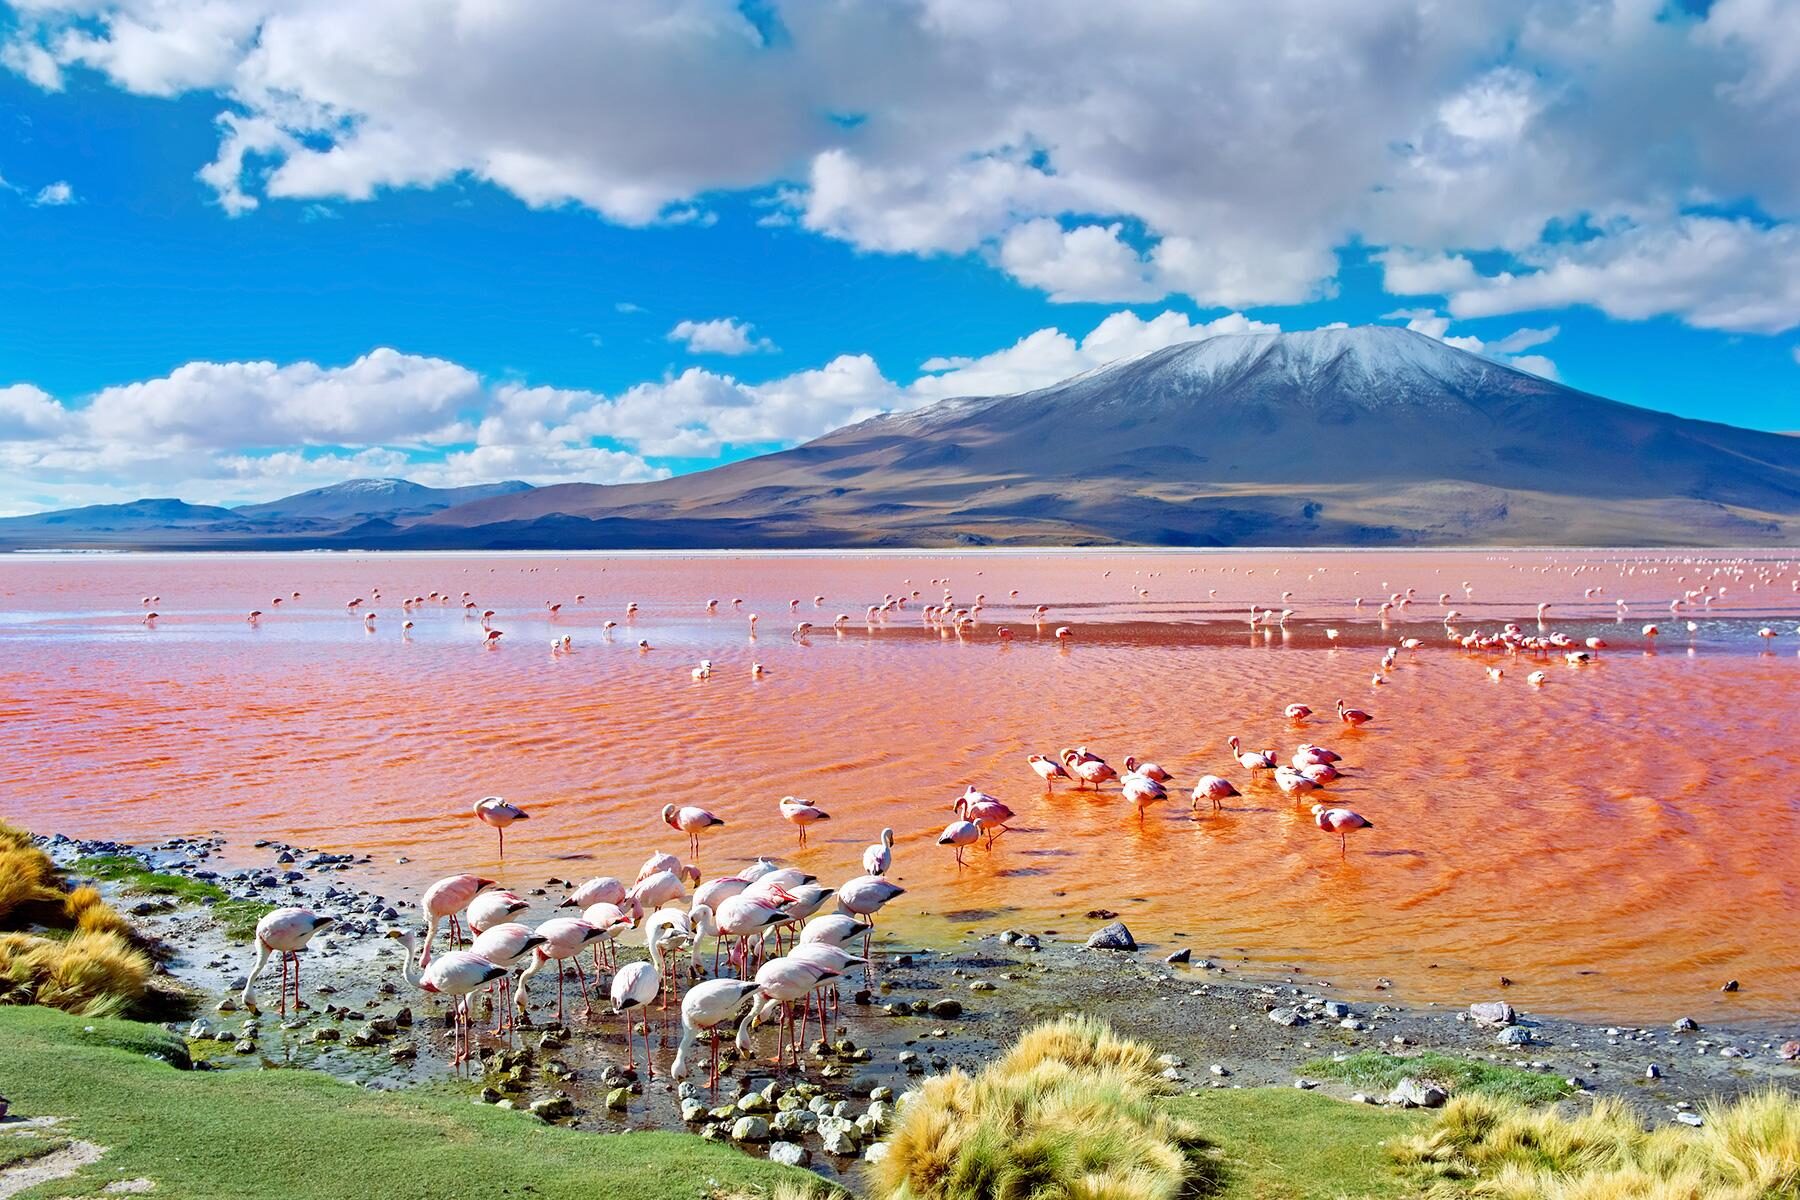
391,499
1369,435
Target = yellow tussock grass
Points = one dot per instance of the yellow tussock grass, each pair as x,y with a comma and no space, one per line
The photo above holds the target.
90,974
1072,1112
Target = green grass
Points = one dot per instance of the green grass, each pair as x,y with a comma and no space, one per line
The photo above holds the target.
237,917
1377,1070
301,1135
1285,1144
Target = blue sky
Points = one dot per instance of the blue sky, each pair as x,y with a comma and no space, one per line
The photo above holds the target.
213,221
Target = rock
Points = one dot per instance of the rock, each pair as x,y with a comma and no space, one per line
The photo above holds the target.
1306,1085
1790,1051
1513,1035
1690,1118
618,1098
1493,1012
245,1046
879,1113
789,1154
1170,1060
1287,1016
325,1035
981,985
881,1093
403,1051
792,1121
692,1111
842,1142
750,1129
875,1153
1180,956
1414,1093
753,1102
946,1009
1112,937
552,1108
1220,1070
1652,1072
1730,985
1337,1010
1686,1025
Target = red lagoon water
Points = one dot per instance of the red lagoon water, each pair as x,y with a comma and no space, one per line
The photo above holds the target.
1618,842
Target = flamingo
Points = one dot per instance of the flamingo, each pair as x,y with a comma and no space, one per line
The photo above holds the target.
1064,633
1353,716
1048,769
1213,788
456,974
446,898
802,813
865,896
635,986
742,916
1291,781
960,833
1142,791
286,931
659,888
691,821
564,938
492,810
1297,712
1251,760
877,859
491,908
611,920
783,981
1537,679
1342,822
1087,767
988,813
506,945
601,887
707,1006
1308,754
1147,769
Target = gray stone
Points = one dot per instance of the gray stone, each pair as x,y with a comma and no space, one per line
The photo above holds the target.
753,1102
946,1009
1287,1016
692,1111
1112,937
1493,1012
1513,1035
1686,1025
789,1154
1690,1118
1180,956
842,1142
553,1108
1337,1010
1415,1093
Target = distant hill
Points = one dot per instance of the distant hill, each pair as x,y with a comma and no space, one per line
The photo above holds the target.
387,499
1365,436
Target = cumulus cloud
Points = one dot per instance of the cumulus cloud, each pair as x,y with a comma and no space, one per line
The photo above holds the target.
1113,152
54,195
230,432
1436,325
723,335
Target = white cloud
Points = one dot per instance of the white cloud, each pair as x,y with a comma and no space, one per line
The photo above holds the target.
1241,150
723,335
230,432
54,195
1436,325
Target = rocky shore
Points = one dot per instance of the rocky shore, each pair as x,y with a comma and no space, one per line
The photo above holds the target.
921,1010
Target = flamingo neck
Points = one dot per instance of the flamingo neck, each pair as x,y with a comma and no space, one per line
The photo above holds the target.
262,958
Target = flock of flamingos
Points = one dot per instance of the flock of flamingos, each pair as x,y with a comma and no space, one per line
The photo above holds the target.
781,938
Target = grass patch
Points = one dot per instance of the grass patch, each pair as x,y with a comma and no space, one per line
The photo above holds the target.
238,918
1285,1144
301,1135
1377,1070
68,948
1072,1112
136,879
1494,1149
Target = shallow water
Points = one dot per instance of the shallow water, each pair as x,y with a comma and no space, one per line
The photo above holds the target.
1618,842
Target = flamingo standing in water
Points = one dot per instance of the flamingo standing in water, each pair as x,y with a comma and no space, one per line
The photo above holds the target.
707,1006
1297,712
877,859
802,813
1087,767
988,813
1353,716
960,833
446,898
564,938
865,896
505,945
1214,789
1149,770
492,908
600,888
456,974
1251,760
691,821
498,813
286,931
783,981
1049,770
635,986
1342,822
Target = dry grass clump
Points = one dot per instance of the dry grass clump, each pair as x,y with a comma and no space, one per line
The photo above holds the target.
28,880
1072,1112
90,974
88,910
1492,1149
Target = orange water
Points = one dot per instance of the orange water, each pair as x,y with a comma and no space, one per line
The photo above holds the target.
1618,843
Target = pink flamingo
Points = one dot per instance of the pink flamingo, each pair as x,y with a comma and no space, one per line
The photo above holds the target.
1142,791
286,931
1214,789
1342,822
802,813
877,859
742,917
1308,754
707,1006
635,986
1297,712
865,896
1251,760
506,945
1048,769
601,887
1087,767
491,908
1148,770
446,898
1353,716
691,821
783,981
495,812
960,833
988,813
564,939
456,974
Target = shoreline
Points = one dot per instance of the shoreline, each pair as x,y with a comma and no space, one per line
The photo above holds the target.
1217,1026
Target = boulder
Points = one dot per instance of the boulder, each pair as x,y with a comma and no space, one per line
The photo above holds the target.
1112,937
1416,1093
1287,1016
1513,1035
1493,1012
789,1154
750,1129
